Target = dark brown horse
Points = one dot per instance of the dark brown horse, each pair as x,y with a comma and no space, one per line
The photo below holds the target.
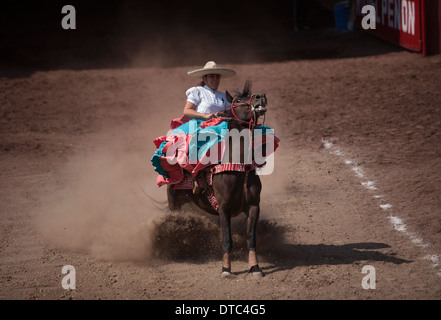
234,191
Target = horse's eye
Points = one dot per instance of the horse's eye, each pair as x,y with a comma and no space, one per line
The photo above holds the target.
258,96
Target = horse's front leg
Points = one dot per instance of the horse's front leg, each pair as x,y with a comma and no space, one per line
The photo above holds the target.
227,241
253,265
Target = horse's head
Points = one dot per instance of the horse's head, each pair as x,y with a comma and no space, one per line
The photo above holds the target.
245,106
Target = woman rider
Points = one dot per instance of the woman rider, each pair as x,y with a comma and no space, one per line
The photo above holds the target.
204,101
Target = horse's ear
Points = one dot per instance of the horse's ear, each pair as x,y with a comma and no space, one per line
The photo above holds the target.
247,88
229,97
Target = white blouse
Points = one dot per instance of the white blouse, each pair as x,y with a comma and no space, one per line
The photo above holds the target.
207,100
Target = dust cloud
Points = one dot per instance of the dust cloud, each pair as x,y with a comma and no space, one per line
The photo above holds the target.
107,205
102,207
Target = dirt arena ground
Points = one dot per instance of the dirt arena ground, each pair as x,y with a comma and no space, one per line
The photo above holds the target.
356,180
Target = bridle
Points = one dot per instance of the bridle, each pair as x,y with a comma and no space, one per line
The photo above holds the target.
253,118
252,110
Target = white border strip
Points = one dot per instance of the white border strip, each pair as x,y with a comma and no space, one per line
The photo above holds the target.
397,223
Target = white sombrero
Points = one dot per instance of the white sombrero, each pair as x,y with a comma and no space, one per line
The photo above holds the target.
211,68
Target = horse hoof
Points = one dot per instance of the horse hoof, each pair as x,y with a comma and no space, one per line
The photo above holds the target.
226,275
257,275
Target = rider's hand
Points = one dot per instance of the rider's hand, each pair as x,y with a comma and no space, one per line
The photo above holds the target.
221,114
216,115
212,115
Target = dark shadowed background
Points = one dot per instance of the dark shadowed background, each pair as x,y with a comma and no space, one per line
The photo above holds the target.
135,33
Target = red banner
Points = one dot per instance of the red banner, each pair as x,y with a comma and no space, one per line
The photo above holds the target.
398,21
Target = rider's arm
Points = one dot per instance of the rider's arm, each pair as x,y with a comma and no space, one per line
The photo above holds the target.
190,111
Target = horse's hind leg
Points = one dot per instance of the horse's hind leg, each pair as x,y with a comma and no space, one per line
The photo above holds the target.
174,202
253,218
